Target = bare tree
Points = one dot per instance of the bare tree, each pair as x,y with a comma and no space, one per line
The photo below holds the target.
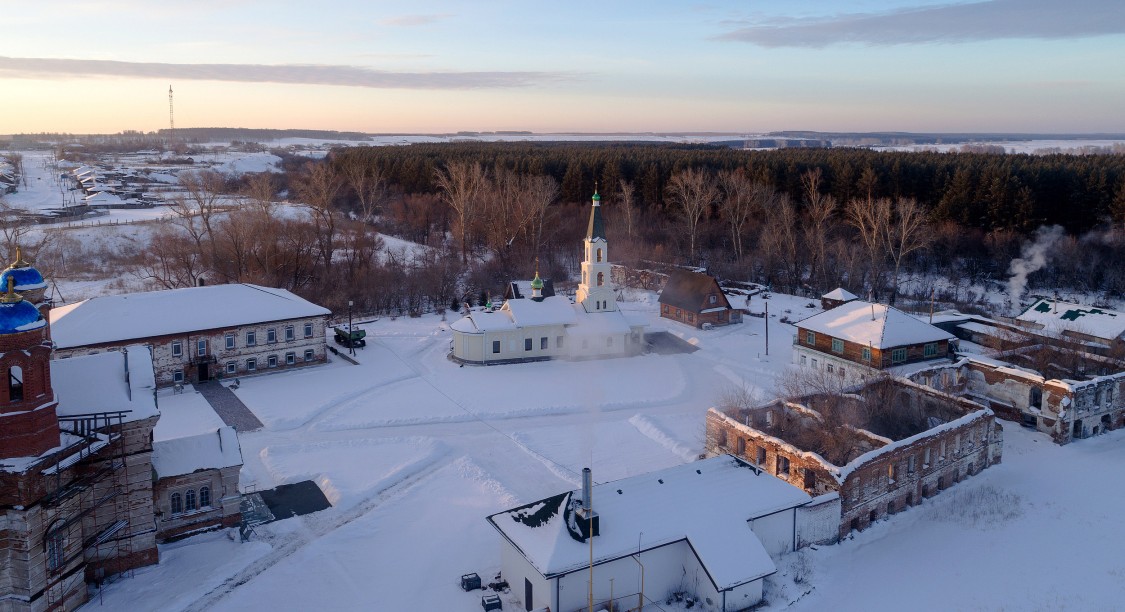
780,239
905,233
196,210
819,209
737,204
317,188
542,192
870,217
368,184
462,185
628,206
693,192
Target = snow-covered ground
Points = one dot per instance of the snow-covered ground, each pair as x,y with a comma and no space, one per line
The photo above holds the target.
414,451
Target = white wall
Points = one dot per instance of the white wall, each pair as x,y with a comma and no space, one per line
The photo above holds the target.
775,532
514,568
819,522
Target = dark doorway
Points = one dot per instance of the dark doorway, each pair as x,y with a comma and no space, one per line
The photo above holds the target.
204,373
527,594
1078,429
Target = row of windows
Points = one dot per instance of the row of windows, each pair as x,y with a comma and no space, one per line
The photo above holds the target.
251,364
251,340
187,502
781,468
898,355
941,450
529,343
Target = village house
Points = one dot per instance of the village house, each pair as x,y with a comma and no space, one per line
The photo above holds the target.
883,448
1065,408
196,483
1100,331
199,333
858,339
710,530
695,298
549,327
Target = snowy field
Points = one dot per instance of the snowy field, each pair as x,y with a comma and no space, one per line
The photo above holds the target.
414,451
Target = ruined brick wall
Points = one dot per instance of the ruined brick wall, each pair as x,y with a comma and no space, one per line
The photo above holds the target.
886,480
166,362
1062,412
902,475
726,435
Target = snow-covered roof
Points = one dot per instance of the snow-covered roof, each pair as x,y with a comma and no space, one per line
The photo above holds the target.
479,321
175,311
106,382
598,323
554,310
706,502
1066,316
839,293
877,325
210,451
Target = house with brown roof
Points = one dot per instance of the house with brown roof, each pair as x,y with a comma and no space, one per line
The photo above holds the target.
858,339
695,298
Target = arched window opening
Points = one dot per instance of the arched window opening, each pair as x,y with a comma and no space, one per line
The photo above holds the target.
15,384
1036,398
601,278
599,255
204,497
177,503
56,547
189,500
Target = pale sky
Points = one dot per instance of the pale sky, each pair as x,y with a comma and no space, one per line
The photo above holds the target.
96,66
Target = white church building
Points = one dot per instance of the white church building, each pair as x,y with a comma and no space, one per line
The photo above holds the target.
538,327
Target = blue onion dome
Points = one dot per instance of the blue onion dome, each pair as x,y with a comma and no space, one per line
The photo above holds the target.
16,314
28,280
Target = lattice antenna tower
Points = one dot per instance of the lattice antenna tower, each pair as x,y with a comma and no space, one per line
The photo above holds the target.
171,117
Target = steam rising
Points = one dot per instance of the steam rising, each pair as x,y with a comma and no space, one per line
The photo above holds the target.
1033,256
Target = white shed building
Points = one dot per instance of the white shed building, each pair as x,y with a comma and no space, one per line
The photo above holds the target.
710,529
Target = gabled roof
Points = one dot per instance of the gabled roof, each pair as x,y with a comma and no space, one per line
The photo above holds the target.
840,294
106,382
876,325
210,451
707,503
688,290
1058,316
134,316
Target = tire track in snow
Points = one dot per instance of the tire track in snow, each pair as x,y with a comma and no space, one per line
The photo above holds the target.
315,530
654,432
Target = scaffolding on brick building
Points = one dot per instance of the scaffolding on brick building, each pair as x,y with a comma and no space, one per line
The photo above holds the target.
98,480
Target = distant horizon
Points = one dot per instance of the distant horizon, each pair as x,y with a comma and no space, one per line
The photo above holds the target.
790,133
439,66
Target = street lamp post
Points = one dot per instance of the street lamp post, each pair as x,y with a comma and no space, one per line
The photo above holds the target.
351,338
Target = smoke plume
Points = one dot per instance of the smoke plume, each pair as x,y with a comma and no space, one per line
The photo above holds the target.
1033,256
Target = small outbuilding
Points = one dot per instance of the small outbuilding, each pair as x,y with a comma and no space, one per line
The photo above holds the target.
695,298
708,530
837,297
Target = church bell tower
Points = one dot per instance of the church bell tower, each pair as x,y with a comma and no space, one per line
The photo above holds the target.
595,291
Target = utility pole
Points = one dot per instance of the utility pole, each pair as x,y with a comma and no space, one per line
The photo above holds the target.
351,337
767,327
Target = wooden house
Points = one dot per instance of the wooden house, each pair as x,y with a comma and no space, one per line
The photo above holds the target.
695,298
